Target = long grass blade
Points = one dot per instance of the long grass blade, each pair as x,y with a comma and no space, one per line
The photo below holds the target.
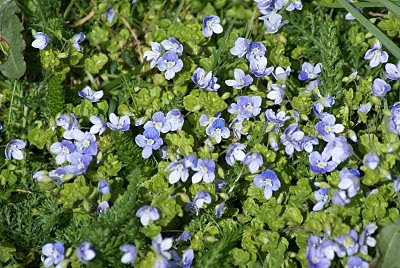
392,7
357,4
218,54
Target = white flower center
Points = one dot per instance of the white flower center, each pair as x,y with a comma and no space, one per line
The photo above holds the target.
158,125
65,150
171,64
86,143
204,169
327,128
150,142
81,165
322,164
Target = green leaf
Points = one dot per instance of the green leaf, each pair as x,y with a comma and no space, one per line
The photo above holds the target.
6,251
95,64
10,32
40,137
388,246
395,9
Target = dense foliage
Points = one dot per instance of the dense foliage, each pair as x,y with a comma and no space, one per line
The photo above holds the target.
197,133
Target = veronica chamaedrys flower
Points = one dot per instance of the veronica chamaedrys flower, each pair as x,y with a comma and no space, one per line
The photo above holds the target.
254,161
274,22
212,85
380,88
349,242
256,51
322,197
276,93
291,137
364,108
201,78
339,149
14,149
211,24
220,209
259,67
241,47
149,141
205,171
309,72
365,239
42,176
57,175
315,255
119,124
62,150
206,120
171,44
175,119
103,206
85,142
184,236
376,55
85,253
295,4
201,198
269,181
187,259
162,246
134,1
396,185
110,14
99,126
147,213
241,80
91,95
371,160
278,120
217,130
340,198
103,187
349,181
327,128
321,163
79,163
234,152
281,74
78,38
246,107
394,123
236,125
69,123
356,262
180,169
154,54
41,40
307,143
170,63
393,71
130,254
52,254
159,122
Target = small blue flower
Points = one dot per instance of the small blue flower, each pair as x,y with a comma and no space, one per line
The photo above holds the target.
322,197
162,246
149,141
269,181
259,67
365,108
393,71
69,123
184,236
278,120
85,252
130,254
159,122
147,213
349,181
246,107
62,150
280,74
371,160
349,242
307,143
53,254
339,149
171,44
316,257
256,51
234,152
327,128
236,126
85,142
241,80
213,86
206,120
276,93
103,206
119,124
201,78
396,185
254,161
14,149
79,163
274,22
217,130
180,169
134,1
42,176
211,24
264,4
175,119
92,96
110,14
99,126
220,209
201,198
380,88
205,171
295,4
309,72
1,127
103,187
357,262
366,239
394,123
154,54
78,38
41,40
291,138
340,198
170,63
320,163
241,47
57,175
376,55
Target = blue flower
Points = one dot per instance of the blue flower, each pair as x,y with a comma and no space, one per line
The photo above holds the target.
201,198
356,262
234,152
366,239
259,67
103,206
307,143
130,254
69,123
220,209
376,55
154,54
171,44
349,181
134,1
274,22
78,38
62,150
309,72
161,247
254,161
149,141
236,126
393,71
349,242
315,255
396,185
394,123
269,181
340,198
276,93
92,96
99,126
180,169
1,127
53,254
320,163
291,138
170,63
280,74
295,4
175,119
110,14
201,78
246,107
264,4
213,86
217,130
41,40
241,80
380,88
85,142
159,122
278,120
327,128
241,47
147,213
42,176
371,160
256,51
103,187
85,252
14,149
206,120
339,149
205,171
119,124
364,108
184,236
322,197
79,163
57,175
211,24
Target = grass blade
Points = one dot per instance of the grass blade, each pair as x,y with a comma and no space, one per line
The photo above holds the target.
395,9
357,4
218,54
